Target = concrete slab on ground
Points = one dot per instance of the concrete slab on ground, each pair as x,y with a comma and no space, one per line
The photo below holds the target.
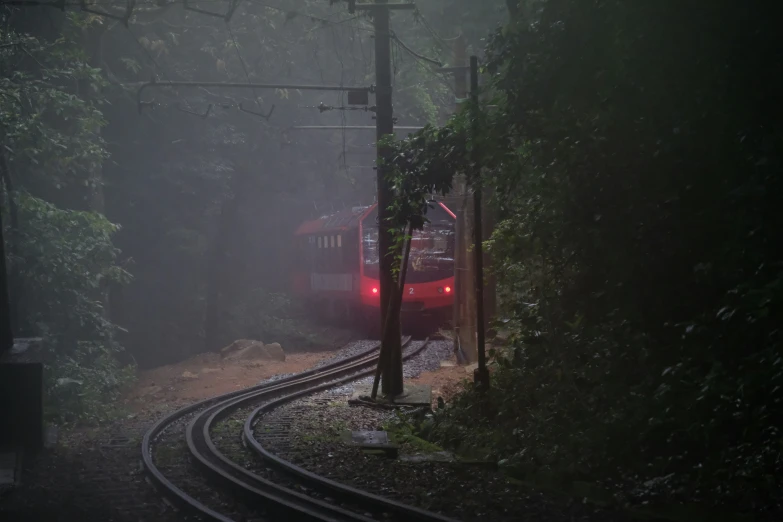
374,442
413,394
369,438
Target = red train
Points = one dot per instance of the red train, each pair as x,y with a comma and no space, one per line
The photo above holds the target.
335,266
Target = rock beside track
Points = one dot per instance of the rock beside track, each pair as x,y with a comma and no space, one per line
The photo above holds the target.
274,351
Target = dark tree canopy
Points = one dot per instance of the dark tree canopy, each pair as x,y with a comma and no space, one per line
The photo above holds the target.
635,151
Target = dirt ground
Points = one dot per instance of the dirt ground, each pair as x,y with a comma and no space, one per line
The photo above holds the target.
207,375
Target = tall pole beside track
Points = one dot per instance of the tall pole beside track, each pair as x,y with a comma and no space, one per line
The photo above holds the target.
481,374
392,370
391,349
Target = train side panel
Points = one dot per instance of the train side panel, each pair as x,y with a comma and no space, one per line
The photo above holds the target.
335,267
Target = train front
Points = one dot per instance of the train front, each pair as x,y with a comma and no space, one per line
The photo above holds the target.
429,282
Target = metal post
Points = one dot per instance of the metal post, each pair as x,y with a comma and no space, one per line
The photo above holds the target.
481,374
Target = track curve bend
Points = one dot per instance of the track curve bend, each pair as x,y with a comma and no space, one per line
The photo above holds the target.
258,491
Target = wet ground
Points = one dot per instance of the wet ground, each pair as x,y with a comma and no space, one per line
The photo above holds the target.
96,474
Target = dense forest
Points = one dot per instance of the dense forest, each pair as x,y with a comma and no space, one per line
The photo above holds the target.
634,150
165,234
636,160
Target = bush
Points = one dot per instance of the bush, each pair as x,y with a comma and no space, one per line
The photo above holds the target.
66,263
637,179
268,317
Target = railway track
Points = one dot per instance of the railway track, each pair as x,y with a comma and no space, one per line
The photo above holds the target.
241,479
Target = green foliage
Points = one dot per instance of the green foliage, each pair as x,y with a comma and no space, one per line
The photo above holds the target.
171,172
268,317
49,131
65,261
417,168
636,179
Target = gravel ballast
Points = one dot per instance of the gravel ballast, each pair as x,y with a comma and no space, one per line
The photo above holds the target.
99,477
318,427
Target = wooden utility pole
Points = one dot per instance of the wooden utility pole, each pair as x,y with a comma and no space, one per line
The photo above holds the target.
466,269
464,296
391,349
392,371
480,374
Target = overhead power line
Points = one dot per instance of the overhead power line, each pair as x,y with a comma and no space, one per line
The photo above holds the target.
247,75
414,53
444,42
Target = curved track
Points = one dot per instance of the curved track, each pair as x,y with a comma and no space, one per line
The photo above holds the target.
259,491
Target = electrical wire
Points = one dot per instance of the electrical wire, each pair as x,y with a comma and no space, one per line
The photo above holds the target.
155,63
426,61
413,53
305,15
419,16
242,61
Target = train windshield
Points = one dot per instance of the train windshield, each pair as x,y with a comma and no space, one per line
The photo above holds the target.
432,249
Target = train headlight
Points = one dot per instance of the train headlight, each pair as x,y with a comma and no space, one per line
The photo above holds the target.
448,289
374,290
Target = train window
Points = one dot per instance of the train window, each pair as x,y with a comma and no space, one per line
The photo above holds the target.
338,255
332,241
319,242
326,241
340,240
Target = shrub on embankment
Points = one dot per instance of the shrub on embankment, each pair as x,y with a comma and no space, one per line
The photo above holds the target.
60,257
635,152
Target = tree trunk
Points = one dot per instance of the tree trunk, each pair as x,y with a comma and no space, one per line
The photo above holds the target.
6,331
93,196
229,210
490,281
394,305
13,291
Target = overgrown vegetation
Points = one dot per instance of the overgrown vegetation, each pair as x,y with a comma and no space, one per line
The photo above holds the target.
636,163
61,261
206,205
273,317
66,261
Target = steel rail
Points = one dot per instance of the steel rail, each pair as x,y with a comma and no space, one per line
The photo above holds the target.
343,490
178,495
250,484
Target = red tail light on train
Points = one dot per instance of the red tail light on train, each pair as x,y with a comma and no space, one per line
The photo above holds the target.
336,263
